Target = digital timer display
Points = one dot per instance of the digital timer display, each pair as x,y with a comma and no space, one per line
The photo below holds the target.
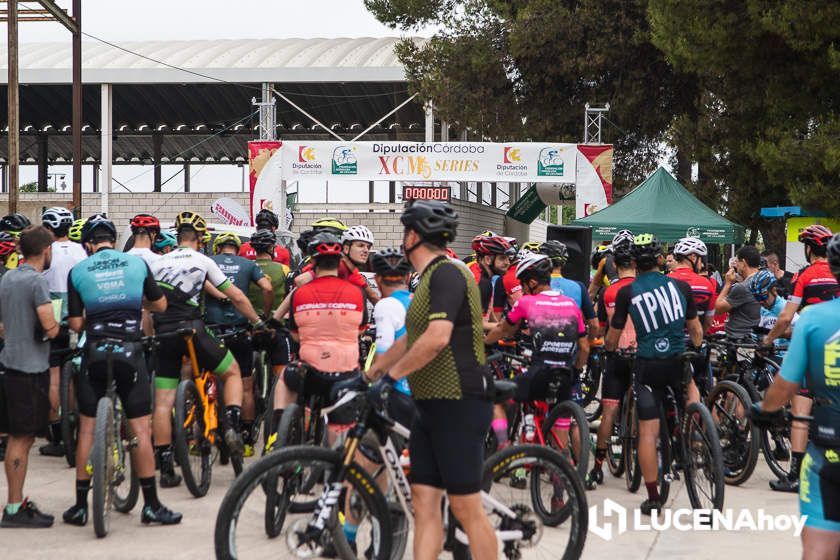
426,193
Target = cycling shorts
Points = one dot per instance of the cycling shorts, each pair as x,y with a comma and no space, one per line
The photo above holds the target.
401,408
309,382
618,374
536,383
59,347
211,353
819,488
130,375
447,444
280,353
240,346
653,378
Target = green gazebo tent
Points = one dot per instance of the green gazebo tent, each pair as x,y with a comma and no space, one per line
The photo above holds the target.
662,206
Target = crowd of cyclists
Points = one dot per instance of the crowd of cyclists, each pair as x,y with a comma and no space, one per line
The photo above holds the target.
436,317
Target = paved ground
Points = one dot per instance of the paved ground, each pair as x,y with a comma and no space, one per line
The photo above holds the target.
50,483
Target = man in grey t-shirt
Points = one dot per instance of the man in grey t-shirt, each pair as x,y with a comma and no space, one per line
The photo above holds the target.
736,299
27,316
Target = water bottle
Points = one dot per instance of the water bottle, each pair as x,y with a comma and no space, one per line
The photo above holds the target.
529,429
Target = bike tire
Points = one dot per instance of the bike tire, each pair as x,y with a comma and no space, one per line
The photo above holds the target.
269,428
664,458
739,436
125,503
632,470
190,439
771,440
69,412
698,420
615,455
289,432
579,429
358,479
102,461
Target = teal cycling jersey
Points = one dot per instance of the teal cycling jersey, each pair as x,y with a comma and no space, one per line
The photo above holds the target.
659,307
241,272
813,360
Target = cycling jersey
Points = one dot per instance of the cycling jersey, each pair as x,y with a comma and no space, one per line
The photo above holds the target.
659,306
65,255
814,285
281,254
241,273
274,272
144,253
328,313
770,316
485,291
512,287
181,273
627,340
446,292
555,323
109,287
575,290
475,268
703,289
389,317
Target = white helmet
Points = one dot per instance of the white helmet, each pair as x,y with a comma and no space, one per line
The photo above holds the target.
534,263
522,253
623,236
357,233
56,217
690,246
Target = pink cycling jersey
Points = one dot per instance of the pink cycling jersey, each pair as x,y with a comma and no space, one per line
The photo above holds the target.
555,322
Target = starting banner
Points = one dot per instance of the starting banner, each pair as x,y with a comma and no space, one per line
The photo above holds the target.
265,174
430,161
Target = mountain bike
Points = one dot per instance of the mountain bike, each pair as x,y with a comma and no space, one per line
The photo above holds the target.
69,409
585,389
554,498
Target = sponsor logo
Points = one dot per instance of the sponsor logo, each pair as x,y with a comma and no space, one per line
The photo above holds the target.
306,153
692,232
511,155
418,148
512,165
344,161
662,345
550,163
617,520
307,163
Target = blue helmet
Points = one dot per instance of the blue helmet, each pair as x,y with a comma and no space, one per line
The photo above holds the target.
761,283
100,225
165,239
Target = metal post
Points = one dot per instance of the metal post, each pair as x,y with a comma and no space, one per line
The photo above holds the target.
157,150
444,131
95,177
430,122
392,191
370,191
77,106
592,123
281,212
106,128
186,176
493,199
14,108
43,164
268,112
4,178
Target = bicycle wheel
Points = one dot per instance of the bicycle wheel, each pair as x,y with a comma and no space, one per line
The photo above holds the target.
630,442
102,461
289,432
615,455
776,448
578,452
554,498
69,411
703,458
269,428
238,532
729,405
126,482
664,458
192,449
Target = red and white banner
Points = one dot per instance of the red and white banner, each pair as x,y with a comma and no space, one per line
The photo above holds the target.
594,178
266,171
230,212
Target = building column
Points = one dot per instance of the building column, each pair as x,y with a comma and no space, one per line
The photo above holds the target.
106,128
444,131
157,153
186,176
95,177
43,164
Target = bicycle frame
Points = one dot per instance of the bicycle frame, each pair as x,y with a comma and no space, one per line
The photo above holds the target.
201,379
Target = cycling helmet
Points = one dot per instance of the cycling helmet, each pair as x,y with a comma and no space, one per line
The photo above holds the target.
522,253
533,246
263,240
357,233
98,224
624,236
165,239
488,233
14,223
323,244
389,262
303,240
145,222
226,238
190,220
534,266
431,218
56,217
513,243
329,224
556,251
690,246
646,246
206,237
833,254
815,236
599,253
623,254
75,231
266,219
7,244
496,245
761,283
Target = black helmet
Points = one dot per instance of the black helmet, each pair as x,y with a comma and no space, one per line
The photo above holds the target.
646,246
324,244
389,262
263,240
265,218
833,254
556,251
99,224
303,240
431,218
623,254
14,222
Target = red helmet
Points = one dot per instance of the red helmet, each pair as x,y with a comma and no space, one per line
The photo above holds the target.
145,221
815,235
496,245
6,248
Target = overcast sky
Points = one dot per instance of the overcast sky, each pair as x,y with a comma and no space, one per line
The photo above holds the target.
142,20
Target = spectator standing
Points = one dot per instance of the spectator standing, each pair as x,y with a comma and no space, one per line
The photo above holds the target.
784,279
735,297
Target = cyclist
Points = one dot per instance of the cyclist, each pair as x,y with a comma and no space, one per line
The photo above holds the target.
75,232
165,242
182,274
618,365
814,285
559,254
14,224
603,264
812,361
266,220
225,318
326,316
764,287
493,257
65,255
356,244
735,297
661,309
144,231
471,259
329,225
106,295
7,253
512,287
